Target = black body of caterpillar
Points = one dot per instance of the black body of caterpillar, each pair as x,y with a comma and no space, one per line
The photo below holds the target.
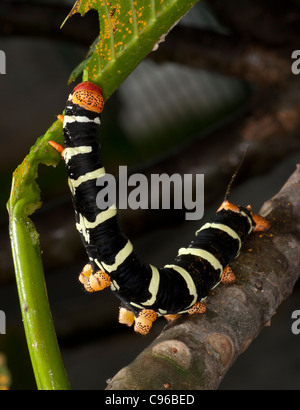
145,291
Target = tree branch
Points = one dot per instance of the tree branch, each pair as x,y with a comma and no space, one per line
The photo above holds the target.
195,352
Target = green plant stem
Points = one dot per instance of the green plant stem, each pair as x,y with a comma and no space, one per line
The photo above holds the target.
42,343
40,333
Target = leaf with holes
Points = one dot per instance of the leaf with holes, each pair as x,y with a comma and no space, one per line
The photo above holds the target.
129,30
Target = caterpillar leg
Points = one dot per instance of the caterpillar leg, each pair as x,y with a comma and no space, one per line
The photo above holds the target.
198,307
143,322
93,282
262,224
59,148
126,317
228,277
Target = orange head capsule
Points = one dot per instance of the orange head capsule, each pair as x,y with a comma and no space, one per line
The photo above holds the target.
88,96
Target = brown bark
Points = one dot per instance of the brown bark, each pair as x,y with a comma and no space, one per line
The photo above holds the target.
195,352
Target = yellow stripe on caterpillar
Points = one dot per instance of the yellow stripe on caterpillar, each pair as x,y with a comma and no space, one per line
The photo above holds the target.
153,286
84,225
70,152
188,280
75,183
222,227
202,254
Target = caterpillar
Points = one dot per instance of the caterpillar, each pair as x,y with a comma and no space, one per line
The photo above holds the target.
146,292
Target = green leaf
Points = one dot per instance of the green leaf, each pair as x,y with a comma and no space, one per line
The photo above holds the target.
129,30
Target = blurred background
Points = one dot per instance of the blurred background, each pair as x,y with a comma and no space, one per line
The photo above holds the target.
221,81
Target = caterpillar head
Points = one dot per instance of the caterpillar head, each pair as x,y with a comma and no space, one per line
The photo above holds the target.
88,96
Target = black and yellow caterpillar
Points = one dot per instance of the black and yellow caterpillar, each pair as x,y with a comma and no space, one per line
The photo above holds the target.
146,292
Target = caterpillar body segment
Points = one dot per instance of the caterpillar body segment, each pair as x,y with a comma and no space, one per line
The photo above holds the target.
146,292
